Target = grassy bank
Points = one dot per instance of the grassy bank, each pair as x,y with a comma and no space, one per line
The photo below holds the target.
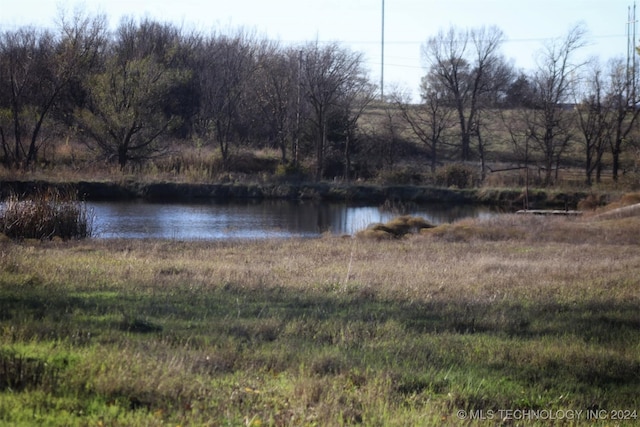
512,313
369,193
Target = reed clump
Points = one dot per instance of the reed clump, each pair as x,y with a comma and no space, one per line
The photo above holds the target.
18,373
45,215
396,228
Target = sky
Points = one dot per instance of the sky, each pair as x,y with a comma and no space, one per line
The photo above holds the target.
357,24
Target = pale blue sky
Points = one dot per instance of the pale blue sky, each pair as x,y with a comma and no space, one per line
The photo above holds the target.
357,23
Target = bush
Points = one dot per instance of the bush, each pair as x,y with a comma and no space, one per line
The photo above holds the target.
402,176
247,162
291,171
455,175
396,228
591,202
45,215
18,372
630,199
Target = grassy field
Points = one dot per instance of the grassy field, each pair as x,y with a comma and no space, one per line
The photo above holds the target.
514,320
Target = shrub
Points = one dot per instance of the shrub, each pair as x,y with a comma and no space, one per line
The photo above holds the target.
18,372
630,199
396,228
590,203
291,171
455,175
45,215
248,162
402,176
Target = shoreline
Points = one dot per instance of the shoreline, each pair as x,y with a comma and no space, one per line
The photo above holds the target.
322,191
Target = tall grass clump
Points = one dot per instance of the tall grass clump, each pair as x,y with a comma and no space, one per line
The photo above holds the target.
44,215
396,228
456,175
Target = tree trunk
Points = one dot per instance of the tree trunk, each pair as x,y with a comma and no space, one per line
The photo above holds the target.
320,149
5,148
347,157
482,157
615,166
466,147
434,160
599,173
548,172
17,137
588,166
122,156
283,150
465,138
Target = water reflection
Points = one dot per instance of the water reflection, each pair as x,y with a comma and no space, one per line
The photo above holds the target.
252,219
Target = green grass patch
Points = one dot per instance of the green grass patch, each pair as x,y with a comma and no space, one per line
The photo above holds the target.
316,332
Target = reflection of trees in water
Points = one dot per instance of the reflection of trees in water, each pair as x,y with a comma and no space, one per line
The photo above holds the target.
398,207
244,219
436,213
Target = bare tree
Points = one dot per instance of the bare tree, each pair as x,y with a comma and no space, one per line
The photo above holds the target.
276,85
126,112
431,120
382,136
37,67
516,122
331,76
550,124
357,96
624,108
594,120
226,65
467,63
21,54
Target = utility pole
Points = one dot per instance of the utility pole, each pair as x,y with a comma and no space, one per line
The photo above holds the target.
382,58
633,62
296,139
631,53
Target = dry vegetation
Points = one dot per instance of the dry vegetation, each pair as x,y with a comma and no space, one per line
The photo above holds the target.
46,214
406,163
513,312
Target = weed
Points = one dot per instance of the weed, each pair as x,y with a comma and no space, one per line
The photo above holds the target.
18,372
44,215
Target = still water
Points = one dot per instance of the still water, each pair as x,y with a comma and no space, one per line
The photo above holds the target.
253,219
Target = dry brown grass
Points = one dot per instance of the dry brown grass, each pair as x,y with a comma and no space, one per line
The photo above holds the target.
449,261
509,312
45,215
626,206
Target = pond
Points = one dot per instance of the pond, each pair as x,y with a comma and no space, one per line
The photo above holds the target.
255,219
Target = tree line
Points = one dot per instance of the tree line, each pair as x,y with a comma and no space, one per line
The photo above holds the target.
472,96
131,94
